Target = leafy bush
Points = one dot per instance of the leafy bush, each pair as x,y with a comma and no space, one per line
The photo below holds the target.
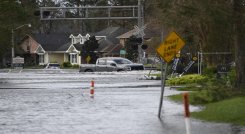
209,71
231,77
210,95
75,66
187,79
67,64
206,96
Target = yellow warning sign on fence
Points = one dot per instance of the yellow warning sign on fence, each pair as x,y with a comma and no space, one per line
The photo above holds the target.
170,47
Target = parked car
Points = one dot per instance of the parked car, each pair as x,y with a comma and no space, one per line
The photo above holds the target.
52,66
108,64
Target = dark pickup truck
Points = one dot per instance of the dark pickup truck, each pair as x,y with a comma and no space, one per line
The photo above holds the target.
108,64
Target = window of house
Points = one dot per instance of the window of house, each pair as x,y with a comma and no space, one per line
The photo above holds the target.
41,58
73,58
77,40
28,48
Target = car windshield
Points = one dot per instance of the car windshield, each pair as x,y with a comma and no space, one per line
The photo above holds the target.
122,61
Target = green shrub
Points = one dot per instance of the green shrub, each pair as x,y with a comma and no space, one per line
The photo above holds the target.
209,71
75,66
187,79
231,77
210,95
67,64
205,96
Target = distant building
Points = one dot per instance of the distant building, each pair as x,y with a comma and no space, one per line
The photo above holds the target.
41,49
110,46
48,48
149,34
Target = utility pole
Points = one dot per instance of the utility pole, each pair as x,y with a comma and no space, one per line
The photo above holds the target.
12,48
140,25
12,42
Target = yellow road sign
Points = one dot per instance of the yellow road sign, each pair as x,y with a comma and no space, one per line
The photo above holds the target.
88,59
170,47
194,58
177,55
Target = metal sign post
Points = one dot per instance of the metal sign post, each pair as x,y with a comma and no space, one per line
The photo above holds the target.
167,50
163,79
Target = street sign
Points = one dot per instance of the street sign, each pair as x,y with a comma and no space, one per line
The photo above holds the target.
122,52
88,59
223,68
18,60
170,47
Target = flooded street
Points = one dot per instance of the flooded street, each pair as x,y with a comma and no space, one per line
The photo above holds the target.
58,102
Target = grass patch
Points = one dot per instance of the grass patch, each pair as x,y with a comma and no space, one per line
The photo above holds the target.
176,98
202,97
223,103
229,111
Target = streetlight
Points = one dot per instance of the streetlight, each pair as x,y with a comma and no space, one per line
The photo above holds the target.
12,41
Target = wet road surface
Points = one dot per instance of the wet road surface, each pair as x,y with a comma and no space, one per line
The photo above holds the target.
58,102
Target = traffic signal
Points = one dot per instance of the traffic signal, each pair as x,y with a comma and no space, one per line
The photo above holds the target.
135,47
144,46
138,41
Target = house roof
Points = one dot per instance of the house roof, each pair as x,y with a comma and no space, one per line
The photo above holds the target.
64,47
53,42
148,34
78,46
109,47
111,33
116,49
104,44
61,41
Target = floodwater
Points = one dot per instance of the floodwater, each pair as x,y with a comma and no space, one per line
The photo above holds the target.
58,102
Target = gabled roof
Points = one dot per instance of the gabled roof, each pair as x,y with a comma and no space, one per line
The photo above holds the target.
104,44
116,49
53,42
78,46
111,33
61,41
72,49
39,49
64,47
148,34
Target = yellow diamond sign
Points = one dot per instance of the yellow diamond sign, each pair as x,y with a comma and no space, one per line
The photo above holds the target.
170,47
88,59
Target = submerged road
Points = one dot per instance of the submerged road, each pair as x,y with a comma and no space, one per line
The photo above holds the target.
58,102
